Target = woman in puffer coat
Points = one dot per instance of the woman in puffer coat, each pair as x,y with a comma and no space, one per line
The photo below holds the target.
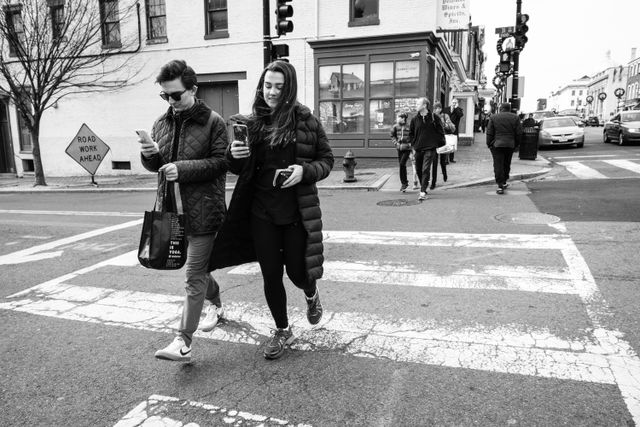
274,215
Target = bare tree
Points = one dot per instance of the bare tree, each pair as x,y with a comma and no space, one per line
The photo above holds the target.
50,49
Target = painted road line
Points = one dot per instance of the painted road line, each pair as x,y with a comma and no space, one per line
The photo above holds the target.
37,253
398,238
624,164
584,157
505,349
70,213
582,171
157,410
501,278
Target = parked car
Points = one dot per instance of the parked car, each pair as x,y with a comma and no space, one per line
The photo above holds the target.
623,128
580,122
560,131
539,115
593,121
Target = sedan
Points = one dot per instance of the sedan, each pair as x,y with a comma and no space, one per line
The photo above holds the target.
623,128
560,131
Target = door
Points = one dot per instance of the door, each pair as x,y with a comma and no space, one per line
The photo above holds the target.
7,164
222,97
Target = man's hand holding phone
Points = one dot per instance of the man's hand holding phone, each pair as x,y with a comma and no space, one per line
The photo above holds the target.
148,146
240,144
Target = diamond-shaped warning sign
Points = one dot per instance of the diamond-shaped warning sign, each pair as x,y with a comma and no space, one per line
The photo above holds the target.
87,149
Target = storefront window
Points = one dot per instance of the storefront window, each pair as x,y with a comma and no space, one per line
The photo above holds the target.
340,86
381,114
381,79
407,78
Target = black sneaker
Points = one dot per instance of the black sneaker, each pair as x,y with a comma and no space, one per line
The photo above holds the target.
403,188
314,308
280,339
499,191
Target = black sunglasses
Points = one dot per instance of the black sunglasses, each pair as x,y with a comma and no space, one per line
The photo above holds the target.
176,96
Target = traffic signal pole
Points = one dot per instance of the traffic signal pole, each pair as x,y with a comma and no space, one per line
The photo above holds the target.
515,101
266,33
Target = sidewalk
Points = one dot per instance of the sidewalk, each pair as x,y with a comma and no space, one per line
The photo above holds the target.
473,166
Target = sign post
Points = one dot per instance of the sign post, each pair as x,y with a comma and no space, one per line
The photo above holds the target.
87,150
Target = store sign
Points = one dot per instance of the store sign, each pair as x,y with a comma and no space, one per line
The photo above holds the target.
453,14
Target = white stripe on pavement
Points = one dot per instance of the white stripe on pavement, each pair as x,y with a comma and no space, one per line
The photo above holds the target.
153,412
503,349
582,171
37,253
624,164
410,238
584,157
501,278
69,213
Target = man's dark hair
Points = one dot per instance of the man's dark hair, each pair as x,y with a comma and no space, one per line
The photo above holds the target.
403,115
178,69
505,106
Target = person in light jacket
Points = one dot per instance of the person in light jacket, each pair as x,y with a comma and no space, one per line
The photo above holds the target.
504,132
278,221
188,144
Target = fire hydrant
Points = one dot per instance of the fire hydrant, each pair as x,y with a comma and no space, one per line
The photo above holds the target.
349,166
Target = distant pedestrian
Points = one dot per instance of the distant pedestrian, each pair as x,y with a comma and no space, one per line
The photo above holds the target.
274,214
400,139
426,134
529,122
442,158
503,136
188,143
456,113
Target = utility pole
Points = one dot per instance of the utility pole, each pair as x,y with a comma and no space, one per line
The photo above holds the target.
515,101
266,33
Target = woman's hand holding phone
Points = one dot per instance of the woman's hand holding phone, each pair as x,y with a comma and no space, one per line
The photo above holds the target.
295,177
240,144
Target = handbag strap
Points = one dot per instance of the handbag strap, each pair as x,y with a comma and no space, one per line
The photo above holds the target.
161,195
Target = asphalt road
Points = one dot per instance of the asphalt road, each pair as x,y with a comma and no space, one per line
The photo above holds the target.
468,309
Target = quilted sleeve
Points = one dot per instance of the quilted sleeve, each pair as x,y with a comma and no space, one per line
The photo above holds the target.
320,167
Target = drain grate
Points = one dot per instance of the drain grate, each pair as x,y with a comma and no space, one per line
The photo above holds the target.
528,218
398,202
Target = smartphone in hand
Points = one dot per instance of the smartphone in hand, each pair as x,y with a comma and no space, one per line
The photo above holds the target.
144,135
281,176
241,133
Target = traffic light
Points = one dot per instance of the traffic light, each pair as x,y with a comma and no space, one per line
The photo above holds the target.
505,63
521,30
284,11
279,51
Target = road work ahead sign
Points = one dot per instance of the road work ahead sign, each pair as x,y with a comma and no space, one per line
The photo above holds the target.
87,149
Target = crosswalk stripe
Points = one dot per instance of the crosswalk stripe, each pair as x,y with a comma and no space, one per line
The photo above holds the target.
624,164
153,411
525,279
582,171
502,349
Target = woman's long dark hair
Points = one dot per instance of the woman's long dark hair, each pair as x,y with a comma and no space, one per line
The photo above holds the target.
283,117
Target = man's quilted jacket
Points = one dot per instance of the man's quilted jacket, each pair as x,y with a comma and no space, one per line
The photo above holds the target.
200,161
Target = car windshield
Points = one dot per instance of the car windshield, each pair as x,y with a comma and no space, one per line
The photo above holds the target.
631,117
558,123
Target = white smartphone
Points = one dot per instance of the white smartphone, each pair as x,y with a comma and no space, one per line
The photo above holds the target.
144,135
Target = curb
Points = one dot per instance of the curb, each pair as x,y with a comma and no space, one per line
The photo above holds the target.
487,181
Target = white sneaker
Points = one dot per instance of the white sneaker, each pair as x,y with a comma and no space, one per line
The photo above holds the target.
210,321
176,351
423,196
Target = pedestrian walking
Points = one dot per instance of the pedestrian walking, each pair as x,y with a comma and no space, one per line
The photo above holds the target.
274,215
449,129
188,143
529,122
504,132
426,134
456,113
400,139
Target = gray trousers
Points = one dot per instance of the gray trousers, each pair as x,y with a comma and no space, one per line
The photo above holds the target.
200,284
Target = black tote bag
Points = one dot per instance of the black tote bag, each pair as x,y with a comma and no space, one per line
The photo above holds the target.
162,241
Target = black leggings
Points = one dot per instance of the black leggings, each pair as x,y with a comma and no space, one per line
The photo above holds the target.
279,246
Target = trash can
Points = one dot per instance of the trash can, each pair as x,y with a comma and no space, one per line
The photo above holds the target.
529,144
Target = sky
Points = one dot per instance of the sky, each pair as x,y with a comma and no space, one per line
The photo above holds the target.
567,39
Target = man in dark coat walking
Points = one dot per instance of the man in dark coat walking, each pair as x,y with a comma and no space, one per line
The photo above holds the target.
455,114
188,145
504,132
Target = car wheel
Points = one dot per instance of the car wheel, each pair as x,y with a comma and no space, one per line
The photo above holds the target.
580,145
605,137
620,139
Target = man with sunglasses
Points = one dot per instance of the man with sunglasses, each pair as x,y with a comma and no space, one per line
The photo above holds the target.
188,143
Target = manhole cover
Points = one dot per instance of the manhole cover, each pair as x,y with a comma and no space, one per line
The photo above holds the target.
528,218
398,202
